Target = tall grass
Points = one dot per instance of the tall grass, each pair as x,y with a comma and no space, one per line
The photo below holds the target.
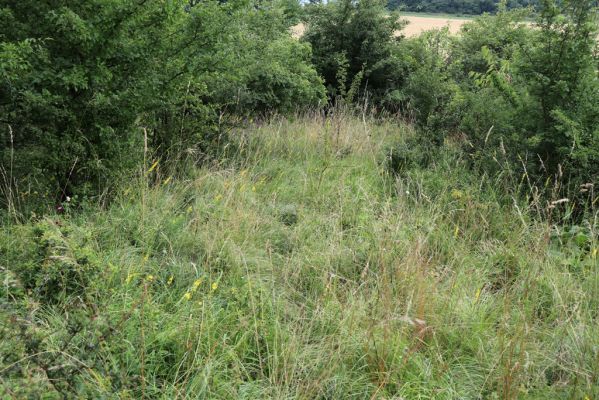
299,267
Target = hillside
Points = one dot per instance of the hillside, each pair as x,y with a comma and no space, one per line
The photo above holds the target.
300,267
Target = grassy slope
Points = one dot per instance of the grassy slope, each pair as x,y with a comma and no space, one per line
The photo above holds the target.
302,270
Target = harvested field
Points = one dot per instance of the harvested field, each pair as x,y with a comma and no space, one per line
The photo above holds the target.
416,25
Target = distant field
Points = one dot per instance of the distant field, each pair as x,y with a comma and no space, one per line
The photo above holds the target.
417,23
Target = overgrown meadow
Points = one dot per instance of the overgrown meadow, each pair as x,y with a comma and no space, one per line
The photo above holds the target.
196,204
299,267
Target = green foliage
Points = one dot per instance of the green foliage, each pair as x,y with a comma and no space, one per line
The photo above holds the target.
519,99
475,7
350,39
80,82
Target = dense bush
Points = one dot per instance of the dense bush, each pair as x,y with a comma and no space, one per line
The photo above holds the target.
80,80
352,46
516,97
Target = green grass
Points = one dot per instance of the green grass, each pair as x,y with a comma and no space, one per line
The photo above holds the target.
299,268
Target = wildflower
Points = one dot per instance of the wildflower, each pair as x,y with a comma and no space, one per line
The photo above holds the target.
595,252
196,284
214,285
189,209
150,278
167,180
129,278
218,197
187,296
477,295
146,257
170,280
456,231
153,167
456,194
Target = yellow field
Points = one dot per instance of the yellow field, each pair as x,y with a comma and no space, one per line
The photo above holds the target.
416,25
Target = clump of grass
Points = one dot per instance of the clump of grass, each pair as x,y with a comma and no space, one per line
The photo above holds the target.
301,268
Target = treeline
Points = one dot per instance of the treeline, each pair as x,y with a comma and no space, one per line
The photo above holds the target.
87,89
471,7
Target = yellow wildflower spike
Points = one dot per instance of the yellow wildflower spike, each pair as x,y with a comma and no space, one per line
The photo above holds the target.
153,167
456,231
189,209
187,296
214,285
150,278
595,252
477,295
167,180
170,280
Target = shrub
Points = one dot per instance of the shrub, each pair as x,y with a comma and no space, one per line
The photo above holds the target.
353,39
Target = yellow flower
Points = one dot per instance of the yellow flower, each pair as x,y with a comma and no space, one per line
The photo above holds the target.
456,231
152,167
197,284
187,296
477,295
170,280
457,194
189,209
214,285
150,278
218,197
129,278
167,180
595,252
146,257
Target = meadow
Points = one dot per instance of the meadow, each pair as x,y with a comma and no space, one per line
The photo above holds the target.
195,204
299,266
